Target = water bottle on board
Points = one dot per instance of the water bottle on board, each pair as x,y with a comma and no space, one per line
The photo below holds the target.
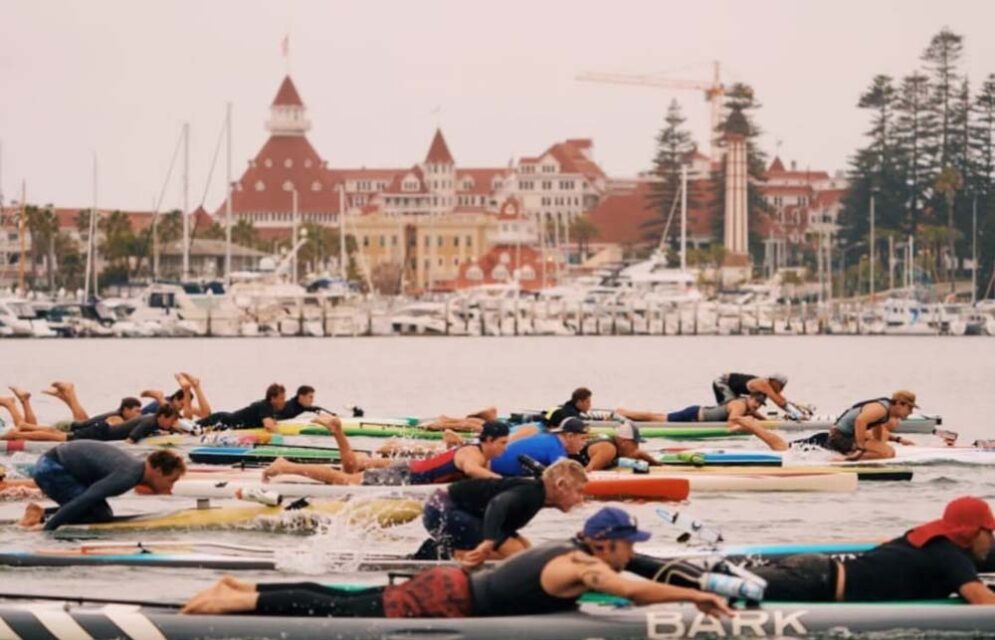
262,496
731,586
637,466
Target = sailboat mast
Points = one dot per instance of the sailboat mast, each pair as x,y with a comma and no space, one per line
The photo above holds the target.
186,200
228,188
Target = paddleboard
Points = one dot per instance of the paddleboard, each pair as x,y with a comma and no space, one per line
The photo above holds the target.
594,619
863,472
382,512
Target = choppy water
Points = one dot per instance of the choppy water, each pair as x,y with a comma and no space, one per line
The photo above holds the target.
426,376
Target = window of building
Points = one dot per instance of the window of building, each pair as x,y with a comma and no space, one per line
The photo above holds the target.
500,272
366,241
308,163
440,262
469,241
383,241
428,242
527,273
288,186
267,162
438,241
474,272
288,163
455,262
455,241
547,185
316,185
260,186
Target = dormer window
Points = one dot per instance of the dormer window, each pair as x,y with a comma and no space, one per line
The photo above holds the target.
260,186
288,163
316,185
267,163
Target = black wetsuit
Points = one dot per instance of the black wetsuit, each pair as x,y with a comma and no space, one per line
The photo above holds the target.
93,420
249,417
505,505
80,476
134,430
566,410
513,587
584,457
892,571
293,408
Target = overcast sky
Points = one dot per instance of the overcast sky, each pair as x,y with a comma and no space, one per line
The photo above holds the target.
119,79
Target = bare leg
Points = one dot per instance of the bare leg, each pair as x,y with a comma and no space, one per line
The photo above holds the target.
456,424
25,398
319,472
641,416
154,394
746,424
40,435
203,407
451,439
348,458
66,392
10,405
221,598
523,432
487,415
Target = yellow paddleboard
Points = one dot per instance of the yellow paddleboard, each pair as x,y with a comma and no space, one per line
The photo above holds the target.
383,512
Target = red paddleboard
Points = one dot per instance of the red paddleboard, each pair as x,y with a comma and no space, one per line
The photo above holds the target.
646,487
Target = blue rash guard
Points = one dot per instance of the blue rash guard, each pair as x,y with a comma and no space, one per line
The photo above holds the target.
544,448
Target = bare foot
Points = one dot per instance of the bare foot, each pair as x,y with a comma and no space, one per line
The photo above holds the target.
21,394
32,517
191,379
451,439
216,599
278,467
55,393
240,585
63,387
148,393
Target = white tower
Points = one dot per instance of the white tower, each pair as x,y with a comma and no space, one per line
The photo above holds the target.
736,218
288,115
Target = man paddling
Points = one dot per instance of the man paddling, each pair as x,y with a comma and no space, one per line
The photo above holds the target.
478,520
741,415
545,448
929,562
258,414
863,431
131,431
730,386
80,476
604,452
302,402
577,406
458,463
545,579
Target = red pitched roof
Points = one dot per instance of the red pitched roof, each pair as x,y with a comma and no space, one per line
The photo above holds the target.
621,215
287,94
269,169
570,155
776,166
506,254
396,185
481,178
438,153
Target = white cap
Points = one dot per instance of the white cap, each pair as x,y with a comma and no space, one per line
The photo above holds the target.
779,377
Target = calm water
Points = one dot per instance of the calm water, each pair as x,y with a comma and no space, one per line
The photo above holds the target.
426,376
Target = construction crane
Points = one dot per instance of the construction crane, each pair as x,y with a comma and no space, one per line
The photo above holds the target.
714,93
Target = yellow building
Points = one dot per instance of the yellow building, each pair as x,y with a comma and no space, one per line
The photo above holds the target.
431,247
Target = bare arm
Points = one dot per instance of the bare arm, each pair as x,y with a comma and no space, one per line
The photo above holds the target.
471,462
762,385
269,424
868,415
977,593
648,457
598,576
601,456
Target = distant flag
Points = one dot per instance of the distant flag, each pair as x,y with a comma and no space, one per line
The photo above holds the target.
285,46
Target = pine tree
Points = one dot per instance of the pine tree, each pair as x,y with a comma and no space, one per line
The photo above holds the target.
740,105
674,148
941,59
877,169
983,147
912,131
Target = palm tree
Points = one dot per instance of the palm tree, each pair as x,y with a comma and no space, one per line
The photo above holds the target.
244,233
43,226
583,230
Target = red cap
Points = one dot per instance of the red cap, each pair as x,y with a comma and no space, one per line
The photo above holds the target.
961,521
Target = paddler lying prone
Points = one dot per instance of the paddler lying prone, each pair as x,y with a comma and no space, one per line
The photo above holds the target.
466,461
544,579
929,562
741,415
863,431
80,476
133,430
